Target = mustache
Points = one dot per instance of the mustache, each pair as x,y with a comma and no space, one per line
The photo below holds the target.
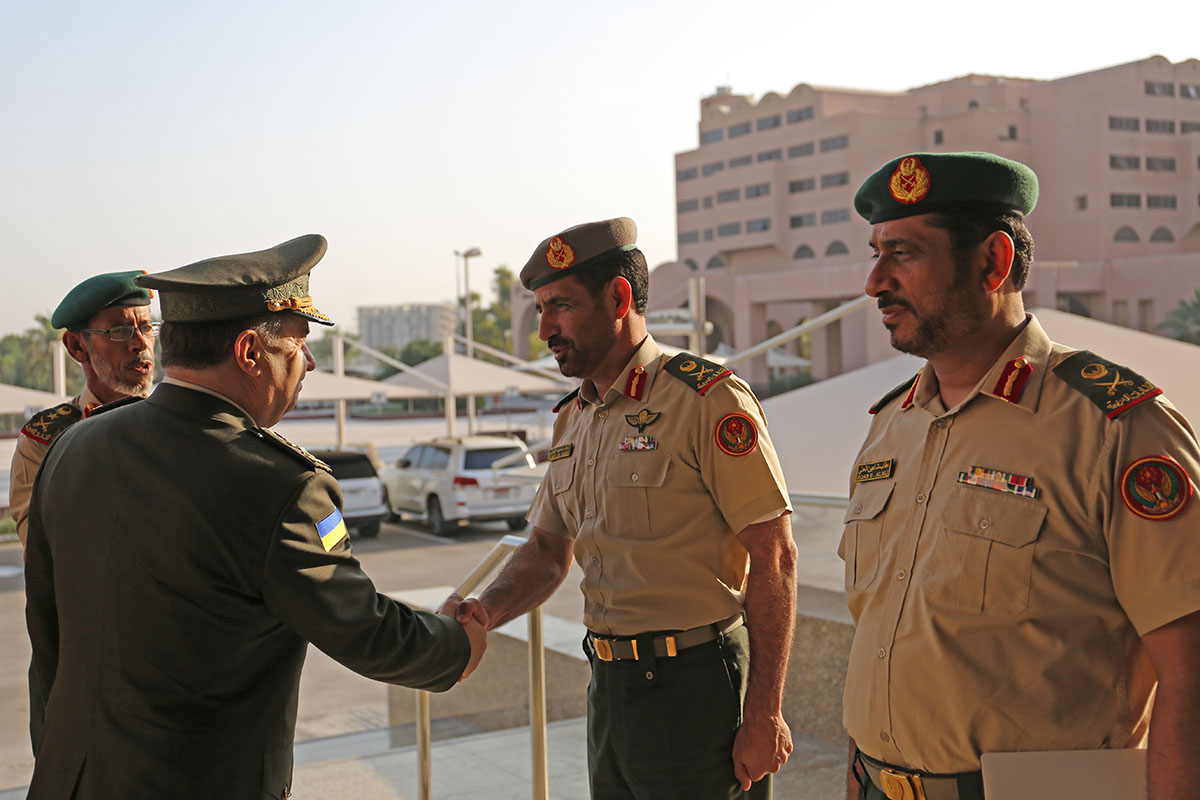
559,341
140,360
890,299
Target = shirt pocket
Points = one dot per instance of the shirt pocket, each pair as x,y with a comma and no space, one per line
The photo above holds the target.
861,535
983,558
635,480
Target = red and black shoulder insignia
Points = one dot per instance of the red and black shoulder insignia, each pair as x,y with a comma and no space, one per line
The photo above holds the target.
565,399
124,401
268,435
45,426
893,394
1114,389
698,373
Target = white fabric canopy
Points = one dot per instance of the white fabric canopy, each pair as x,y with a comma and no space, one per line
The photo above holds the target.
16,399
470,376
321,386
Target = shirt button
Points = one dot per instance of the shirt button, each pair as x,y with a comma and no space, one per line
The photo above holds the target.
881,652
601,414
599,606
920,497
858,509
588,513
595,561
634,477
883,737
941,423
591,462
984,524
556,484
900,575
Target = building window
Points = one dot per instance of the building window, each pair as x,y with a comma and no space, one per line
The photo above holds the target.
739,130
686,174
1162,235
740,161
1012,131
1124,162
1081,202
802,221
1120,313
1124,124
709,169
758,190
939,137
802,185
716,262
1188,127
798,150
1160,89
729,229
803,251
708,201
1168,201
837,248
771,155
1156,164
1125,200
1126,234
687,205
834,216
1160,125
757,225
835,143
689,237
729,195
766,123
799,114
836,179
973,104
708,137
692,265
1145,314
708,234
1190,91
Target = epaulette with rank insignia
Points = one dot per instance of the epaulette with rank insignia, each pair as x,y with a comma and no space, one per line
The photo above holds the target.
45,426
1113,388
268,435
893,394
564,400
698,373
124,401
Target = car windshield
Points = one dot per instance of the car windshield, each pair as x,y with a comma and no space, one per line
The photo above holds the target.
348,465
483,459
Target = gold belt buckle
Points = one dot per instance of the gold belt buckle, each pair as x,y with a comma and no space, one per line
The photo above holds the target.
603,649
899,785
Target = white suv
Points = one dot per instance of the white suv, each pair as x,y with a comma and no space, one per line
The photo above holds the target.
364,502
448,481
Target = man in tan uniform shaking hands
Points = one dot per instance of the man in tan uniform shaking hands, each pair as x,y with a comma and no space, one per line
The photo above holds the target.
1021,545
663,481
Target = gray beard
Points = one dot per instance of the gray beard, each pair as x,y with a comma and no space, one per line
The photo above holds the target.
109,377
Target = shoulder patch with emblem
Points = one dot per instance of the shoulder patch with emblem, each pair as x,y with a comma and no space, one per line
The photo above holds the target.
564,400
269,435
698,373
736,434
882,402
1114,389
1155,487
45,426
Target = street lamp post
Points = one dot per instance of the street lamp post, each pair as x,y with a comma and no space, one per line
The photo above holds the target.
467,255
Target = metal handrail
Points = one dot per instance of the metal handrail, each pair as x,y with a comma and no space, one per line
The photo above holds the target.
537,684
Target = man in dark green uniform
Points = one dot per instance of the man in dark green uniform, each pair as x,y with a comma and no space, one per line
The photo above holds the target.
181,556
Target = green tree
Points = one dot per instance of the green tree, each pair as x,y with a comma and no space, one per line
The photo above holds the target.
1183,321
492,325
27,359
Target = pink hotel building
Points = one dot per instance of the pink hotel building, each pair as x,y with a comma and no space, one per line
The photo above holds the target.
765,202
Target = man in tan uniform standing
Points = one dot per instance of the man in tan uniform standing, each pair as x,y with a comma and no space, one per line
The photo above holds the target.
663,481
1021,547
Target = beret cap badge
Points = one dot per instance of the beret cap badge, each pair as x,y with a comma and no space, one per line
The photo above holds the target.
910,182
559,254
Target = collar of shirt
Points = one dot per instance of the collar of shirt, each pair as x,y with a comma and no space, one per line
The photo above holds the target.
1003,381
643,364
205,390
86,402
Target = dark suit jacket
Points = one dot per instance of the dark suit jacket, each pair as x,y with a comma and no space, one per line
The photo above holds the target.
174,577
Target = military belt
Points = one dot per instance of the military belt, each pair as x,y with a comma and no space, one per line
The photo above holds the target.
625,648
902,784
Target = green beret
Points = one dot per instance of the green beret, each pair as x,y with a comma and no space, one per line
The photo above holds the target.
96,294
242,285
935,183
577,249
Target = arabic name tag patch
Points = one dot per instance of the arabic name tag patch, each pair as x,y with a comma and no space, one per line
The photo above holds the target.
561,452
736,434
1000,481
1156,487
638,443
332,530
874,471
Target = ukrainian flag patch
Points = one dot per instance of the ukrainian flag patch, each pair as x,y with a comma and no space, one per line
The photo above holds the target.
332,530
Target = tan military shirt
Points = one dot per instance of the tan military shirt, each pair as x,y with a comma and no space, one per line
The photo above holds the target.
27,457
998,573
653,482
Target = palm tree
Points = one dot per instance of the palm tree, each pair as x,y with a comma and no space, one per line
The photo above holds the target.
1183,321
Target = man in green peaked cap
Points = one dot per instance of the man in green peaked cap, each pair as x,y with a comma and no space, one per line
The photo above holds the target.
173,611
1020,544
665,487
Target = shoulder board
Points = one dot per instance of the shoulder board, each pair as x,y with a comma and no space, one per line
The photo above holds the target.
698,373
563,401
45,426
1114,389
268,435
893,394
124,401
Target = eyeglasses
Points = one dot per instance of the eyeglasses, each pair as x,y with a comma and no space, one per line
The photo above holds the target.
123,333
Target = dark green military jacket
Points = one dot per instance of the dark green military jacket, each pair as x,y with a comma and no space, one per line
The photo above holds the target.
175,575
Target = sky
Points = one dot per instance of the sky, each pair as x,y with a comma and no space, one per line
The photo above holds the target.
141,134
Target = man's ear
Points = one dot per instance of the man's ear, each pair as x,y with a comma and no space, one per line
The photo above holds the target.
998,250
621,295
73,341
248,351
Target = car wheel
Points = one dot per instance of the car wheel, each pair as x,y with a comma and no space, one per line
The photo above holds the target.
516,523
437,523
392,514
369,531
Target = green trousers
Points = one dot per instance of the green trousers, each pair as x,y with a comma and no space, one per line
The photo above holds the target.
663,729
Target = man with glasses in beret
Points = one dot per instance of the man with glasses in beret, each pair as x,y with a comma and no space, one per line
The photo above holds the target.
182,556
664,484
1021,547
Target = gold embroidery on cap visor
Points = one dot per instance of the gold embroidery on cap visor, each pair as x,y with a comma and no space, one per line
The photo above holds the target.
910,182
302,304
559,254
